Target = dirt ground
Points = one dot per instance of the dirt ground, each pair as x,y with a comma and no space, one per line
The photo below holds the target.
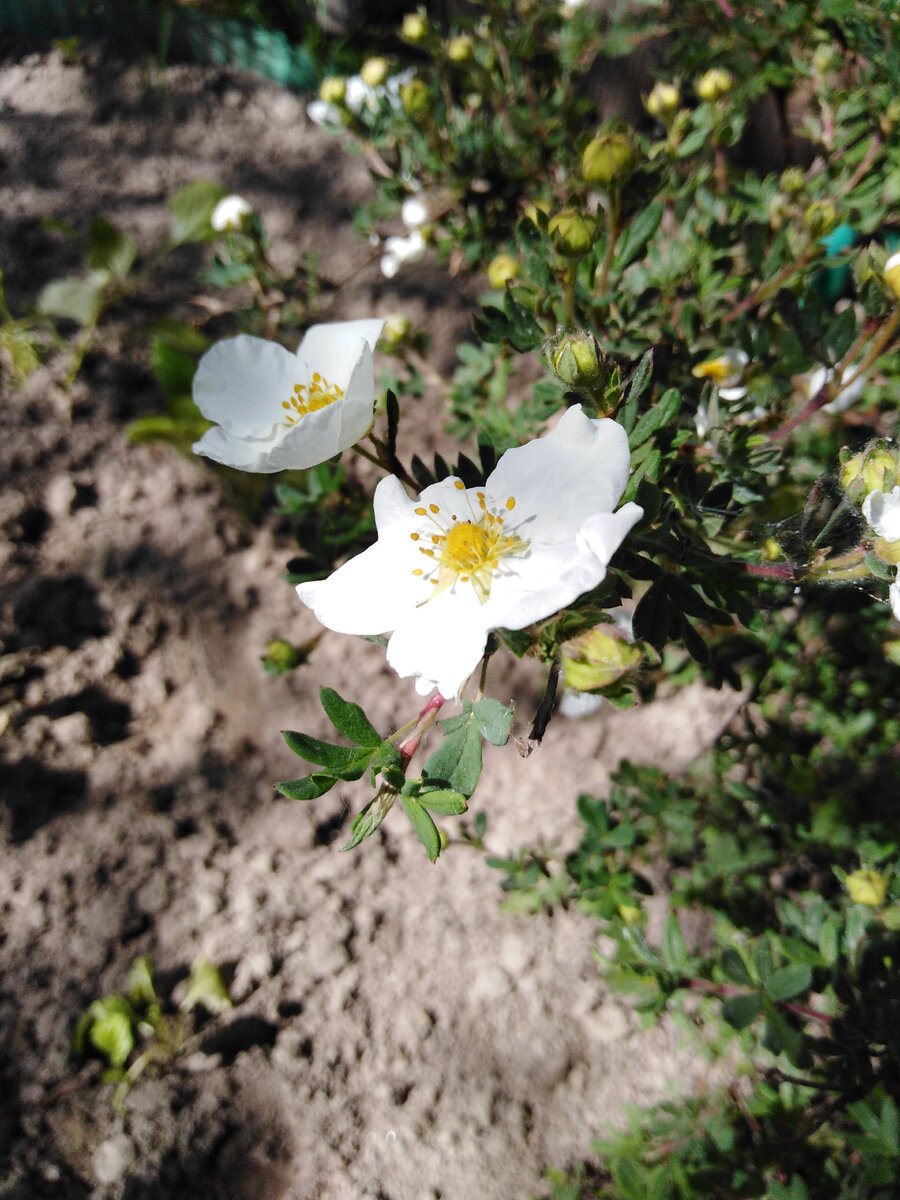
395,1034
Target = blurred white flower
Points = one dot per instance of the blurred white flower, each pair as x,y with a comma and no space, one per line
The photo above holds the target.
882,511
275,410
414,212
727,373
894,597
574,704
846,397
401,250
232,212
457,562
325,114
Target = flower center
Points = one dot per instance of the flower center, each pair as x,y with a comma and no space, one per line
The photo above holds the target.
309,398
470,550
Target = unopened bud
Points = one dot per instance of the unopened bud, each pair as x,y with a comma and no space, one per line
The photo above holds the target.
374,71
413,28
577,360
501,268
607,159
571,233
874,469
663,100
792,181
823,59
866,886
890,118
820,218
531,211
414,97
715,84
394,333
891,274
280,657
460,48
333,89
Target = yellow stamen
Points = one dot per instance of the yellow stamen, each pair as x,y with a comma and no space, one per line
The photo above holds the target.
309,398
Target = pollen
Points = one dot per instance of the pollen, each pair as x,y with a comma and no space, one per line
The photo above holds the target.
309,398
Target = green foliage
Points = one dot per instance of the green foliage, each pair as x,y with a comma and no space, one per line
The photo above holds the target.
116,1027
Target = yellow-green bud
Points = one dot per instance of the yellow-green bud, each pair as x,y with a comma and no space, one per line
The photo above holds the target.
374,71
531,210
576,358
715,84
663,100
867,887
874,469
598,660
792,181
395,331
891,274
607,159
820,218
414,97
890,118
460,48
333,89
571,233
501,268
414,27
823,58
280,657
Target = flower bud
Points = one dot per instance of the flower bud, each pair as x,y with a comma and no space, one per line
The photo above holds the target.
576,359
460,48
531,210
333,89
396,330
280,657
874,469
823,59
501,268
715,84
414,97
866,886
374,72
607,159
792,181
413,28
663,100
891,274
571,233
820,218
890,118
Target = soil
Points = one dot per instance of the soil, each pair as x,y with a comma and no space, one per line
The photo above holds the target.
395,1032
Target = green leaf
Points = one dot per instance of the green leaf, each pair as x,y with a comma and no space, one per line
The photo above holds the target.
172,367
641,378
741,1011
111,250
657,417
425,828
73,299
735,967
139,983
444,802
840,334
336,758
494,721
308,788
456,764
112,1028
788,981
349,719
191,210
206,988
637,235
367,821
673,950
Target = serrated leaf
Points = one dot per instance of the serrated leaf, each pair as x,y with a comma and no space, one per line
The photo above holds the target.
308,788
494,720
110,249
206,988
741,1011
788,981
74,298
425,828
456,764
444,802
191,210
348,718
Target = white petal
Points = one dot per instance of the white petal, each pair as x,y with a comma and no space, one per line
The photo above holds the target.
579,704
390,265
538,584
581,467
847,396
894,596
241,383
334,349
414,212
245,454
321,113
882,511
230,213
440,643
603,533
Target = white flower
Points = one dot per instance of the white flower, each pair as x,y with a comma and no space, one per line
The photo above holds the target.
882,511
574,704
232,212
846,397
322,113
726,372
894,597
414,212
457,562
276,410
401,250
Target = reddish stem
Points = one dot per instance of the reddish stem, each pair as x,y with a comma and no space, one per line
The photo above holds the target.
728,989
424,720
776,571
